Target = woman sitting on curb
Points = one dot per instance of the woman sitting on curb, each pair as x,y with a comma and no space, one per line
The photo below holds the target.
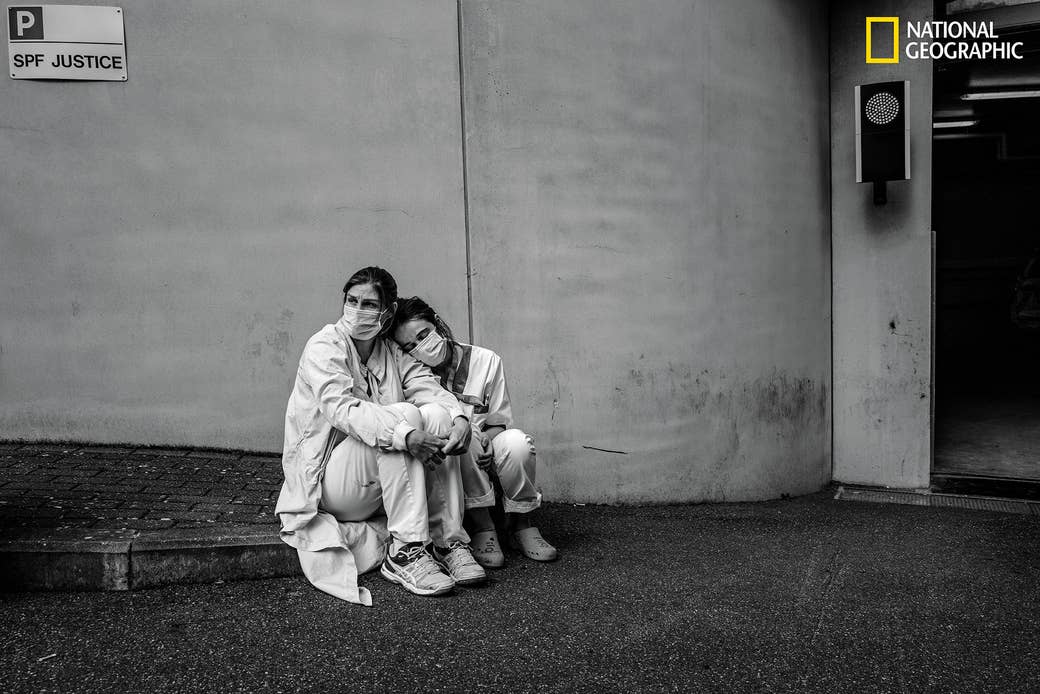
474,374
367,429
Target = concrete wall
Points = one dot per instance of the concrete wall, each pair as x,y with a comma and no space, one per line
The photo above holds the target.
649,202
882,271
649,207
168,244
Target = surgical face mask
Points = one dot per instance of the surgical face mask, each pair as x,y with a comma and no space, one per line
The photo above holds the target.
363,323
432,350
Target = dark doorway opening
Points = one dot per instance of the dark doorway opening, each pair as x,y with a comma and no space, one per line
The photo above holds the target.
986,216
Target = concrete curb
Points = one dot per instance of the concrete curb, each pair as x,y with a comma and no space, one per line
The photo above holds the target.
85,559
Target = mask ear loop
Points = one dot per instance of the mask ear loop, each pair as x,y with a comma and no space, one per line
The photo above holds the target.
384,322
442,332
445,343
392,309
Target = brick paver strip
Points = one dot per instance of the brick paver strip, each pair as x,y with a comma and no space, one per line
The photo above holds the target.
135,489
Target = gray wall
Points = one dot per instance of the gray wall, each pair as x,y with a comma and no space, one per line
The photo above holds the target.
168,244
882,271
649,205
649,202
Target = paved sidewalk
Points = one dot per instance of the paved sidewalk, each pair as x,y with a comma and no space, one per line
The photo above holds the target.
100,517
51,486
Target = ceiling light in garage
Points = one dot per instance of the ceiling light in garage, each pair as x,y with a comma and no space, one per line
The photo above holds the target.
954,124
1010,94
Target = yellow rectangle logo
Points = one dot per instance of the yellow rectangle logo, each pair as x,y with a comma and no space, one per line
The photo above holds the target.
894,21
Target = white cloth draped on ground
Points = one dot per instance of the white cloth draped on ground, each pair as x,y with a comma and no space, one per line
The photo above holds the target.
339,552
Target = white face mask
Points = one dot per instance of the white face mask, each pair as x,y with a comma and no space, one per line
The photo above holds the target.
362,323
432,350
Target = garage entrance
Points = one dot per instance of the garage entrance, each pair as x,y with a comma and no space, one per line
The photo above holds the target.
986,216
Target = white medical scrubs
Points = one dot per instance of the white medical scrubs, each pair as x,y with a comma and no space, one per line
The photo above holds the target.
478,381
345,461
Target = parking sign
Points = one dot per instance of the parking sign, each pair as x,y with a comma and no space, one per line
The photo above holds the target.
67,42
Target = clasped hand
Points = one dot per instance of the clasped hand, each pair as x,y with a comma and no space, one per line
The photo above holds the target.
486,457
426,447
431,450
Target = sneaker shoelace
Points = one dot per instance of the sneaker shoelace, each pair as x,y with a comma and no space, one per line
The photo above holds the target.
454,559
420,564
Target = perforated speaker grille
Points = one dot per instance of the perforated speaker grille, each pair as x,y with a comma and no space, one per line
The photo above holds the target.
882,108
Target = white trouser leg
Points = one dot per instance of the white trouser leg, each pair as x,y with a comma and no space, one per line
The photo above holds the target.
443,484
477,489
515,464
360,480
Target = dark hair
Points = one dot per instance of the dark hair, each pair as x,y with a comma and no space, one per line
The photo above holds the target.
384,284
415,308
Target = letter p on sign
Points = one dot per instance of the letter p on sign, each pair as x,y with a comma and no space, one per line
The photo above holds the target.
25,23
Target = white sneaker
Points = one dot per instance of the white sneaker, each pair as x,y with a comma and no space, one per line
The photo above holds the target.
458,561
415,569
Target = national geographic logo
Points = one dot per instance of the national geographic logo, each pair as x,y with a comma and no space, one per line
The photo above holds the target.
937,39
893,53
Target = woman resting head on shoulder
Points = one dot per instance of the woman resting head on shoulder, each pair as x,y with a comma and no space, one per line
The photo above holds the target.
475,376
371,433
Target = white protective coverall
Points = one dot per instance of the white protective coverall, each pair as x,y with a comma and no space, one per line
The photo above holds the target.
359,414
477,379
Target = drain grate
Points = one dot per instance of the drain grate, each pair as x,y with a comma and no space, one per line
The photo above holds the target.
975,503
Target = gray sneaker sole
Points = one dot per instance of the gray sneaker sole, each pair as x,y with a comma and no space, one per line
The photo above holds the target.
472,581
394,578
476,580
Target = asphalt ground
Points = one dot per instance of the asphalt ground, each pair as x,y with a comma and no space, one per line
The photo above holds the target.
806,594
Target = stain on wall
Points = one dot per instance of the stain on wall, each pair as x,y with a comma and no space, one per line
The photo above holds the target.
649,213
882,271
